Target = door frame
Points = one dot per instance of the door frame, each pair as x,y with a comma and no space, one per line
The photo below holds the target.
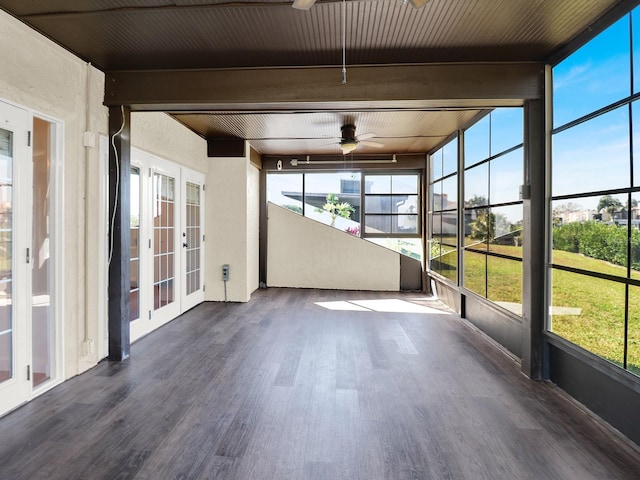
151,319
149,165
18,118
197,297
57,242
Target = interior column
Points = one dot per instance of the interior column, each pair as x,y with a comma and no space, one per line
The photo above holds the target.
119,234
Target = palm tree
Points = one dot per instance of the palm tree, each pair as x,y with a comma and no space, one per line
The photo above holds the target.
609,204
483,226
337,208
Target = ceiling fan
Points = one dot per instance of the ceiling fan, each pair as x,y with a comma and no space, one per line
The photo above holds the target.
307,4
349,141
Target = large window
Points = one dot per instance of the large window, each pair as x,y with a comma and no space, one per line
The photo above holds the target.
391,214
493,172
391,205
330,198
595,258
443,212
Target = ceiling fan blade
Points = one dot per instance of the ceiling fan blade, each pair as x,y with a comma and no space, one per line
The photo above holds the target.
366,136
303,4
371,144
332,144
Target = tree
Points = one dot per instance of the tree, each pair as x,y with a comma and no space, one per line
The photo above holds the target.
609,204
483,226
567,207
476,201
337,208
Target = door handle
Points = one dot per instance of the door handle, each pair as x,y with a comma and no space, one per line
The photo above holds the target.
185,245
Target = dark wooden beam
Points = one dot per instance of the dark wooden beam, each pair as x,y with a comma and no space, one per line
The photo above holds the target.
225,147
319,88
119,233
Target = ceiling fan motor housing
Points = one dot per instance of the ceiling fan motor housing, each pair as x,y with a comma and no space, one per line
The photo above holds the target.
348,133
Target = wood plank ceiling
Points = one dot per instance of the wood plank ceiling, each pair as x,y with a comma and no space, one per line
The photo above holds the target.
197,34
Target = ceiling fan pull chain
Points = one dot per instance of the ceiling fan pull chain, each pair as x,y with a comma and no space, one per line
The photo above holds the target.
344,42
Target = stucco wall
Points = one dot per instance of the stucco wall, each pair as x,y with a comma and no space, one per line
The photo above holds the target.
226,228
161,135
232,203
39,75
307,254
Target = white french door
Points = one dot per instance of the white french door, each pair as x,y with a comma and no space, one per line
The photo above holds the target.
15,163
192,185
29,333
166,243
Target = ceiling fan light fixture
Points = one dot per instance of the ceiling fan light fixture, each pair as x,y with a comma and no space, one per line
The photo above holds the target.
418,3
348,147
303,4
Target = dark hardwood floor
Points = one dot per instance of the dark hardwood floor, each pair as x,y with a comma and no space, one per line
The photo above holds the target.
286,388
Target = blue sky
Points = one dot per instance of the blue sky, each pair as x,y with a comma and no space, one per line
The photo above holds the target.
594,155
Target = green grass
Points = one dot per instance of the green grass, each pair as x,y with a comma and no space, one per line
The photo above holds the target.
597,321
599,326
504,276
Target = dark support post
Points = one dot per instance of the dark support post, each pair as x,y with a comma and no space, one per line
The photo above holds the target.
119,234
424,228
534,259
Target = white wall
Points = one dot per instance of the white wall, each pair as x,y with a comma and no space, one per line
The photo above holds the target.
164,137
232,205
39,75
307,254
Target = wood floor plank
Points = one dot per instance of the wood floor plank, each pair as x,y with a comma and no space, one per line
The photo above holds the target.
288,386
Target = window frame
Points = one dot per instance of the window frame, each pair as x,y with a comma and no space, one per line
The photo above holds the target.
363,199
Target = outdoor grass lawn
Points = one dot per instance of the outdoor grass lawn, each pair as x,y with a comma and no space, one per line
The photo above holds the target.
599,327
596,324
504,280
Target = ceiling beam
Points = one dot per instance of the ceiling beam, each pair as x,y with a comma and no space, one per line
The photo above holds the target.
319,88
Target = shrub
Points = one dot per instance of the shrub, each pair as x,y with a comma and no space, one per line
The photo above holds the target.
567,237
598,240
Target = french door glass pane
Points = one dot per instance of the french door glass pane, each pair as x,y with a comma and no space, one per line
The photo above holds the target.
163,234
192,237
41,258
6,236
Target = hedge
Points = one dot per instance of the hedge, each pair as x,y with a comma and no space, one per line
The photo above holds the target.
598,240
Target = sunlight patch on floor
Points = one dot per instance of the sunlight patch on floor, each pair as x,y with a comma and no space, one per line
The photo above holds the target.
342,305
391,305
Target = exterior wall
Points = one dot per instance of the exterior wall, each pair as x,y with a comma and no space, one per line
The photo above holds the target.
59,86
52,82
307,254
232,203
161,135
